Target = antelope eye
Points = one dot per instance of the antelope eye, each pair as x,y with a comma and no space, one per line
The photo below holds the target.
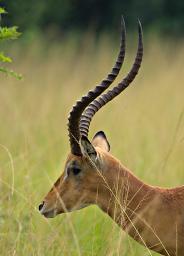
76,170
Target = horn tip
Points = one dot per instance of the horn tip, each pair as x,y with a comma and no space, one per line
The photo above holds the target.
140,31
122,19
139,25
122,23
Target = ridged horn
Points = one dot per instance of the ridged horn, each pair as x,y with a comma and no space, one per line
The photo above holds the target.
79,107
111,94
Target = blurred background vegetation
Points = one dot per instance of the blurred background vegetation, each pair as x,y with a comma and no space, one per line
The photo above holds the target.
68,46
164,16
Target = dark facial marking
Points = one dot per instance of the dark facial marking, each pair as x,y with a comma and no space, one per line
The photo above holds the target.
74,168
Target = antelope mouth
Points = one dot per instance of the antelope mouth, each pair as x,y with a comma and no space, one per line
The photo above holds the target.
49,214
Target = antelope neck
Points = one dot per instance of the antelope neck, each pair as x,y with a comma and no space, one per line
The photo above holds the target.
128,200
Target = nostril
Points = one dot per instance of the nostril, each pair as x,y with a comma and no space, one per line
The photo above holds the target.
40,206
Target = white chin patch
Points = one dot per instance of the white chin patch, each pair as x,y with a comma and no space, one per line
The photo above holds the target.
49,213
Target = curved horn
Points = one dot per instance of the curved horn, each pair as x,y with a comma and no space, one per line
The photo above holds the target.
79,107
111,94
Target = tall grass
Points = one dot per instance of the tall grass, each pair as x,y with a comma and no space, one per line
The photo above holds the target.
145,127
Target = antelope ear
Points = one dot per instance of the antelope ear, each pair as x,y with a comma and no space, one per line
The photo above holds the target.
88,149
100,140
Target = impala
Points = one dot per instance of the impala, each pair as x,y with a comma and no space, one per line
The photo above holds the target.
153,216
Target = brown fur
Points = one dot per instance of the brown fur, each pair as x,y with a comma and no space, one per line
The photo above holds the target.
153,216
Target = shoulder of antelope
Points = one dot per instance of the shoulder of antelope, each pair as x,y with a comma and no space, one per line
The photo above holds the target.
93,176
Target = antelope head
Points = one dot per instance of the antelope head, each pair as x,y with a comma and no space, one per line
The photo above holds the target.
82,181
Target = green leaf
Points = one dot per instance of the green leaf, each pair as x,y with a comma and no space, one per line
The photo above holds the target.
4,58
6,34
11,73
2,10
9,33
